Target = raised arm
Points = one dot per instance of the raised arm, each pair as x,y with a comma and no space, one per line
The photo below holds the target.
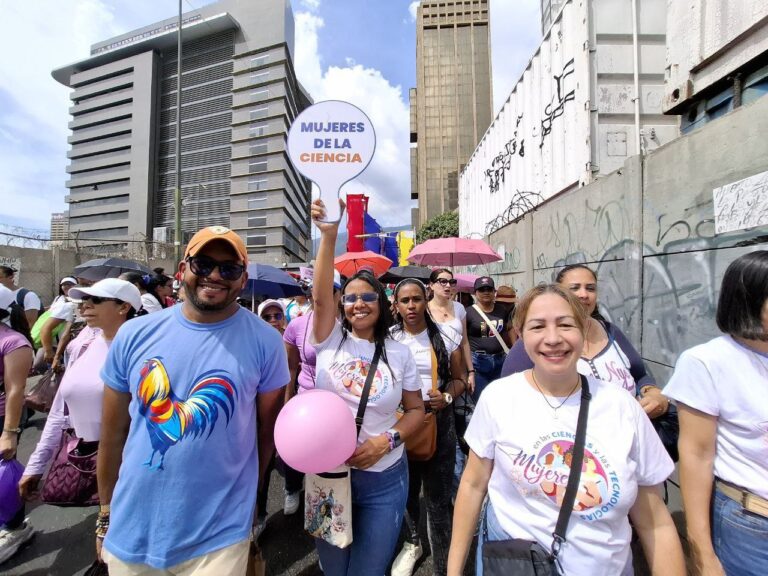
324,315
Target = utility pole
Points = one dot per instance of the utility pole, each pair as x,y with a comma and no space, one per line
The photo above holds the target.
177,191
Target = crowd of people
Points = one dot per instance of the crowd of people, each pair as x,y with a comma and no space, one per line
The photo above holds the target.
527,423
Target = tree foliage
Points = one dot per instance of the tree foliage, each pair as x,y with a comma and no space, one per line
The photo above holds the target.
444,225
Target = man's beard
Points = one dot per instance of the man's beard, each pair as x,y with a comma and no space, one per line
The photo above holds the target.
191,296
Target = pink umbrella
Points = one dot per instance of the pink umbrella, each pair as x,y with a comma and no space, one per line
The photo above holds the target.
465,282
453,252
350,263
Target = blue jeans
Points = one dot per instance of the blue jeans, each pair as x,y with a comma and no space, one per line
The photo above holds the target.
487,369
740,538
488,522
378,505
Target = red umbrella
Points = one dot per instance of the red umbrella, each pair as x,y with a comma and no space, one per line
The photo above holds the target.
453,252
350,263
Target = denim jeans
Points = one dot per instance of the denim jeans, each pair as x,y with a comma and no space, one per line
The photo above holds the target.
487,369
435,476
378,505
489,523
740,538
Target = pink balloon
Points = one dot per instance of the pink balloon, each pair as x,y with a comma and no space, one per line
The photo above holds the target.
315,432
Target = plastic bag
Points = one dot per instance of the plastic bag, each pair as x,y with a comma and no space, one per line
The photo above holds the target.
10,500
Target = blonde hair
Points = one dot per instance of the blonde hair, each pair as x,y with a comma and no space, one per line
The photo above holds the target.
524,304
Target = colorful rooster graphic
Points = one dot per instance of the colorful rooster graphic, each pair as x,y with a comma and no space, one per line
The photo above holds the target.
170,419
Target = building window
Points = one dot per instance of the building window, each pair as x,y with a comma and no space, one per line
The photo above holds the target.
260,148
255,184
255,220
259,60
258,77
257,201
258,96
255,239
256,166
258,129
258,113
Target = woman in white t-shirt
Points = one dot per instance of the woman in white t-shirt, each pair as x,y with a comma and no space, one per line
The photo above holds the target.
344,354
451,315
721,389
437,353
521,438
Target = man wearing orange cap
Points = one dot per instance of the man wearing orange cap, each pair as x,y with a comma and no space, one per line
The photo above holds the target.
178,454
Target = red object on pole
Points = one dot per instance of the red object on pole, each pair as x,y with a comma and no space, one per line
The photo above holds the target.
357,206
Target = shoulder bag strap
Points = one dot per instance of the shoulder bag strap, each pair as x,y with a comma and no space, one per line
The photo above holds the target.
366,389
434,368
575,475
492,327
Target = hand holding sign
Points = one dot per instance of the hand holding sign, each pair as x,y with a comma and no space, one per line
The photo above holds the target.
331,143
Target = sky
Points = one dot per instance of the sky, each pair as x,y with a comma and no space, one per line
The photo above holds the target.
362,51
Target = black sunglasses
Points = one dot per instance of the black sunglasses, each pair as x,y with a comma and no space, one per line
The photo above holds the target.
98,299
447,281
275,316
485,289
203,266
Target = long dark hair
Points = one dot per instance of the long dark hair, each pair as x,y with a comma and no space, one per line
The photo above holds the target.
18,320
433,331
148,282
559,280
384,321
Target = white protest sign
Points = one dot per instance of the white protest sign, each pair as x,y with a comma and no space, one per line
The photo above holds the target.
331,143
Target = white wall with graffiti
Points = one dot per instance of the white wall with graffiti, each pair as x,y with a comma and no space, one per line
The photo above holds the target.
570,118
660,232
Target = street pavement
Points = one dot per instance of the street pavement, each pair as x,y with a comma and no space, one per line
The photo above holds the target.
64,542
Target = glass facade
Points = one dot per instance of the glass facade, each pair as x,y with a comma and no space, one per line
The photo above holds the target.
453,99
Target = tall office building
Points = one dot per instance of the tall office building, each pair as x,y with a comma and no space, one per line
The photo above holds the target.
452,104
549,11
59,228
239,97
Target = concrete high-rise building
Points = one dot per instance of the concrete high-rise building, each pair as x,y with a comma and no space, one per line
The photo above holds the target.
549,11
59,226
239,97
452,104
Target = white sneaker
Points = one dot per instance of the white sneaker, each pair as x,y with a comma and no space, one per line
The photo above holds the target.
406,560
291,503
12,540
258,528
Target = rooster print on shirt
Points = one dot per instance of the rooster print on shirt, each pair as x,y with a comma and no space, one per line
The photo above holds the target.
169,419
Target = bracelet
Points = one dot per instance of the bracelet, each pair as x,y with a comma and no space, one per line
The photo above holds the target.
471,371
102,524
16,431
391,440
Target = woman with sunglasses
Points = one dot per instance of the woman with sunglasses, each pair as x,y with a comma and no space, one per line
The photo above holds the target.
273,313
607,353
15,363
522,440
447,312
379,475
434,351
105,306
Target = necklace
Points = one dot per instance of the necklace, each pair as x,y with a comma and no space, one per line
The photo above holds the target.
443,310
554,408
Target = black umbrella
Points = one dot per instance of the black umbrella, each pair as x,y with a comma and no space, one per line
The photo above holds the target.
101,268
394,275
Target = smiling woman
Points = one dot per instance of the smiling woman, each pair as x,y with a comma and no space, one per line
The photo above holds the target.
345,362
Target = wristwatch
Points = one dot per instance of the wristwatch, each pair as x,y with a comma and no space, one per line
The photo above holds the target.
395,435
448,398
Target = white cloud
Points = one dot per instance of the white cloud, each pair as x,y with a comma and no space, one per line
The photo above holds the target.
387,178
311,4
412,8
515,35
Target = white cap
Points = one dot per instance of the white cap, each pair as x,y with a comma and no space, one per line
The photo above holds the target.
68,280
267,303
110,288
6,298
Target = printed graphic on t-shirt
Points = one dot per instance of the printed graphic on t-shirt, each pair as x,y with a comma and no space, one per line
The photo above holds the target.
485,332
170,419
546,469
352,373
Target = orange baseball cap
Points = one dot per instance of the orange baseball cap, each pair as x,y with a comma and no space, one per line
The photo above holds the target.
211,233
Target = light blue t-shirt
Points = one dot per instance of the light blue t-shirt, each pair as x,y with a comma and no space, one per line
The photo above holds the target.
189,474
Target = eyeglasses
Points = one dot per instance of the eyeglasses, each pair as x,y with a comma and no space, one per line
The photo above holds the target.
447,281
485,289
276,316
98,299
405,300
203,266
367,297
